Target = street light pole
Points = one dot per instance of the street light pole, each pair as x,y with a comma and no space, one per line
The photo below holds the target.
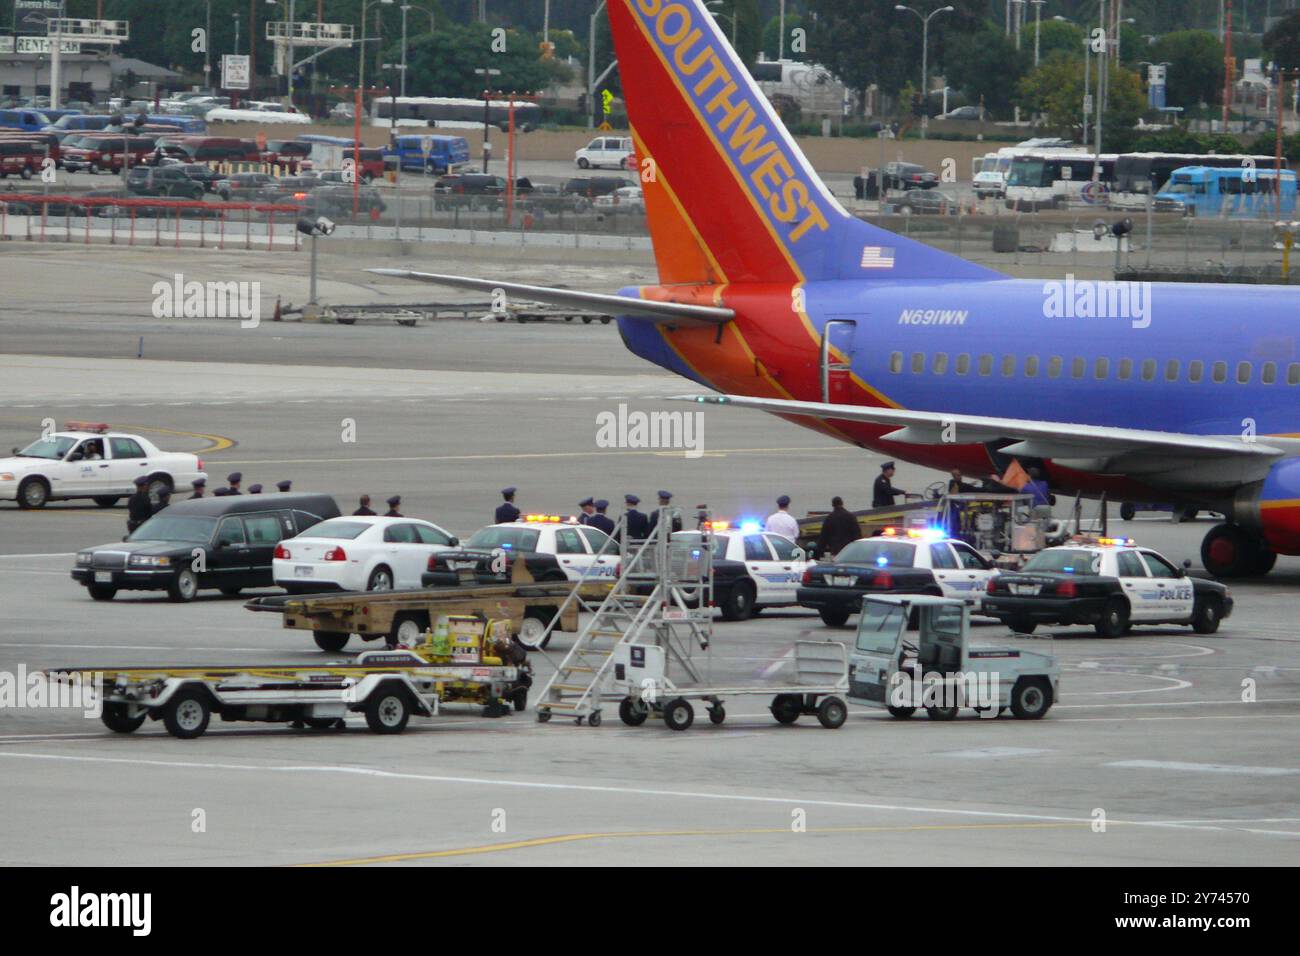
236,34
1038,23
405,8
207,45
925,63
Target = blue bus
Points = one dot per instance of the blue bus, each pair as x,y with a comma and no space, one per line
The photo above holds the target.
180,122
1239,192
445,153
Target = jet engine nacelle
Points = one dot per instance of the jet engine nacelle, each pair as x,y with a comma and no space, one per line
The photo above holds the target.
1272,507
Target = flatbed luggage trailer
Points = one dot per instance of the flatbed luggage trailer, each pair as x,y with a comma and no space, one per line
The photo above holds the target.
400,617
387,686
819,687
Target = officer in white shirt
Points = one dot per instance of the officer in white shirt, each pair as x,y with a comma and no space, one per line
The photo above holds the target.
781,521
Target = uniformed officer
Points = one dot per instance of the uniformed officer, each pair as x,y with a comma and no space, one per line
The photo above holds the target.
781,521
284,485
139,507
221,492
601,521
883,491
506,511
588,506
232,482
638,523
364,508
392,511
666,501
164,499
254,489
200,486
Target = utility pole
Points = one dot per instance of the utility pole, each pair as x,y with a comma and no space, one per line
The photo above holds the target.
1227,68
236,34
591,66
405,7
780,42
1102,89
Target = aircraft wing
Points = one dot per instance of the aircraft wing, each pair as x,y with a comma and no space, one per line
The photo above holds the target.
681,314
1028,437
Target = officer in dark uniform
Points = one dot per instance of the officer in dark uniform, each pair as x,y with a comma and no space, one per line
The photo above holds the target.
506,511
254,489
284,486
883,491
164,499
200,486
601,521
232,482
365,506
665,501
638,523
392,511
139,507
588,506
221,492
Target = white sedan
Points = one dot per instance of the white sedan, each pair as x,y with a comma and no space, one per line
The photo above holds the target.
359,553
88,461
626,199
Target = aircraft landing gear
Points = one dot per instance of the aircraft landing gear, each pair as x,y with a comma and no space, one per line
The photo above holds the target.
1228,551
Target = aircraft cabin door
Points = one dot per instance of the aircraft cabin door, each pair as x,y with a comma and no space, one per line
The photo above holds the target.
837,346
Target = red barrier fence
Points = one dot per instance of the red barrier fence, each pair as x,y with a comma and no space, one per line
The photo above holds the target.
127,217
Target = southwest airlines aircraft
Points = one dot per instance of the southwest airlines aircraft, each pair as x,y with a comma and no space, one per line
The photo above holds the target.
776,298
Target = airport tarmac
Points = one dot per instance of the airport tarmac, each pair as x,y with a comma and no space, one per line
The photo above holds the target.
1151,730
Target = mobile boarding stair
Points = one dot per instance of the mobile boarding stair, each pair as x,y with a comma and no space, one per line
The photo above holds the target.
659,611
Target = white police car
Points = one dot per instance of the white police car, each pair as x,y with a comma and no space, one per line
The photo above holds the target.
914,561
89,461
752,568
1109,583
554,549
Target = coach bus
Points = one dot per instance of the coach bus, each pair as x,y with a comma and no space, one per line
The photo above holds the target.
1233,193
452,112
1050,179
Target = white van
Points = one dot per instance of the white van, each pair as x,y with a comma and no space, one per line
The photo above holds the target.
613,151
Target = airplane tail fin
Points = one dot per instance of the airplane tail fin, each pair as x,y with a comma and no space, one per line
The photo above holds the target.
729,195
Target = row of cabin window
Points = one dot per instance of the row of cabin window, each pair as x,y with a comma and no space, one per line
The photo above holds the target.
1148,370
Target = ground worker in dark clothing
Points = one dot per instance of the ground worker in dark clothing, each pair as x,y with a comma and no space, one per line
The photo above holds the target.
139,507
838,529
392,511
601,521
365,506
883,491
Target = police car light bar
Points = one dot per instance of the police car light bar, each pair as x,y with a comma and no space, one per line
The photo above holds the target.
1119,541
718,525
543,519
97,427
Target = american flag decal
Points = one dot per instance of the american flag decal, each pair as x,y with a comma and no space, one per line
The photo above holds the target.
877,257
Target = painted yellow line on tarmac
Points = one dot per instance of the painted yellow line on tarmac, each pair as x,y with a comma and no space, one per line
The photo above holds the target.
504,456
644,834
218,442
